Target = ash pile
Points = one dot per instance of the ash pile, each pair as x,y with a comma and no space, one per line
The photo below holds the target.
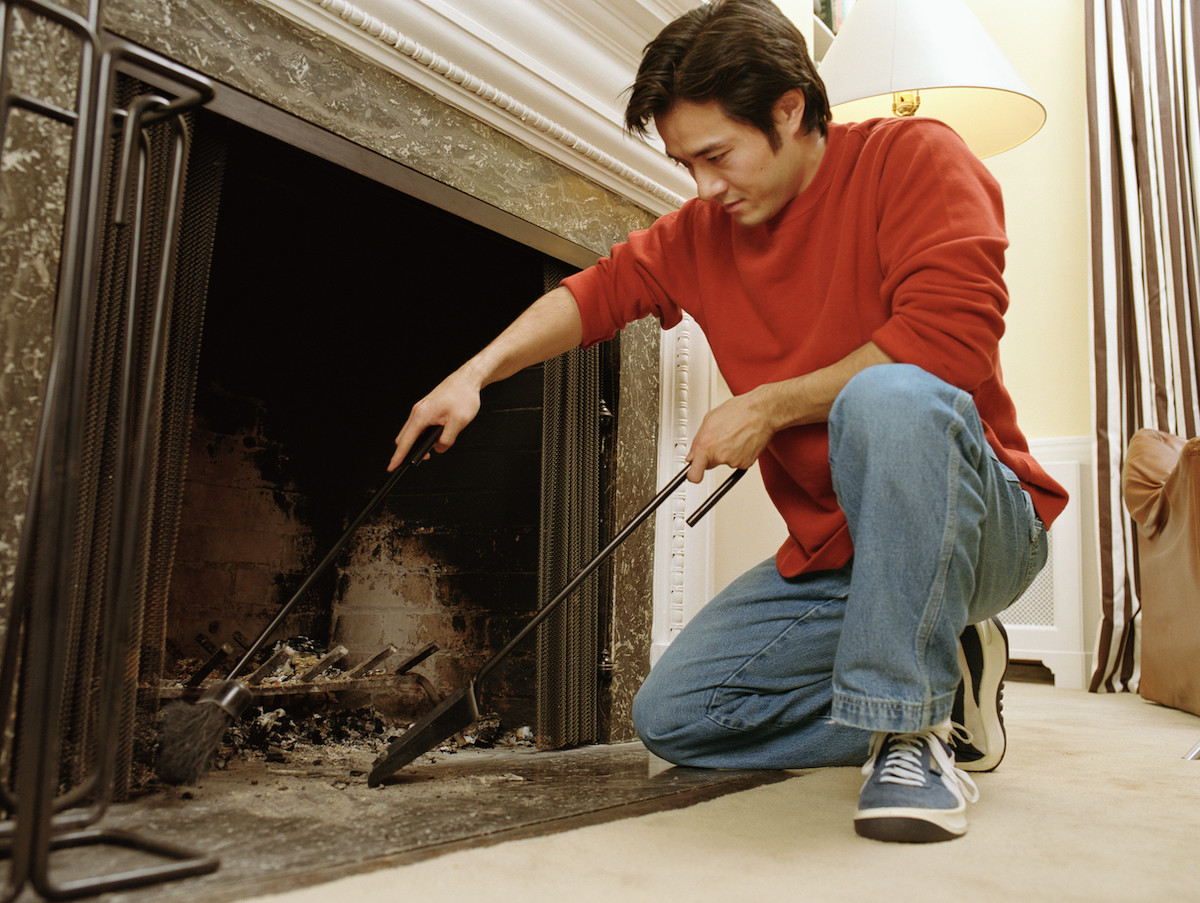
310,712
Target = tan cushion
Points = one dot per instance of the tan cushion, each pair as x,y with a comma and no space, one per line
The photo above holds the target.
1161,484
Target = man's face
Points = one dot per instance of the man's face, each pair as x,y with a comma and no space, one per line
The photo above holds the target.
732,162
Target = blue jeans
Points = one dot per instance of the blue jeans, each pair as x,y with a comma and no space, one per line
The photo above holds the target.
780,672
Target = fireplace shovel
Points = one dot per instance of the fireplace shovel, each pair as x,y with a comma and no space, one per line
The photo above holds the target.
189,734
460,709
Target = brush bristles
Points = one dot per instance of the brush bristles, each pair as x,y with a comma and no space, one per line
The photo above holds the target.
188,737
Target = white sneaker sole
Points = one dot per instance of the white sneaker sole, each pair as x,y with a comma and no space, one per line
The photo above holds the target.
984,720
906,825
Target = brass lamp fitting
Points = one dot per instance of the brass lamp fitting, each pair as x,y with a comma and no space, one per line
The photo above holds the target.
906,103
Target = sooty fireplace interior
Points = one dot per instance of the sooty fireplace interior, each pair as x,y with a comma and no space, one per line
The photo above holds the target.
333,303
310,358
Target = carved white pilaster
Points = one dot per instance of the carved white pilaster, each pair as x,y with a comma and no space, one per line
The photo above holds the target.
684,584
680,438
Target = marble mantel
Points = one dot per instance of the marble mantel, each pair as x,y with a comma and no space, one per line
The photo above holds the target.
550,73
331,72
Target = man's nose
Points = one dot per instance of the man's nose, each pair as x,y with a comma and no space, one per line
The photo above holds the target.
710,187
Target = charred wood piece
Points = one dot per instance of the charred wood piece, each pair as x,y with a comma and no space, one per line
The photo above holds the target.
217,658
373,662
281,657
328,660
413,660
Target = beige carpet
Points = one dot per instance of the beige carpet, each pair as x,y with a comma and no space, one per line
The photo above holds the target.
1094,802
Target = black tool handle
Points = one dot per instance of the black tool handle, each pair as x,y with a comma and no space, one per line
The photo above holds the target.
416,455
729,483
545,611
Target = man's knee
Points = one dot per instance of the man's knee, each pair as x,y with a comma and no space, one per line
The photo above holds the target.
885,388
663,725
891,400
650,721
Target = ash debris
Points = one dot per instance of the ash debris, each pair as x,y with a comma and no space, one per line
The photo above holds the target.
287,736
312,728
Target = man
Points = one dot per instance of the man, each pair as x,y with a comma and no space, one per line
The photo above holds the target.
849,281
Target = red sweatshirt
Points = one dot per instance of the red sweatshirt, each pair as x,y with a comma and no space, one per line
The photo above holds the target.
899,239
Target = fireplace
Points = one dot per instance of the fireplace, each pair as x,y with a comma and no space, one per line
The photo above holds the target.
333,238
287,370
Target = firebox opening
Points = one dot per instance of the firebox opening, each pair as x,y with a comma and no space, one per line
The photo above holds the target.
334,303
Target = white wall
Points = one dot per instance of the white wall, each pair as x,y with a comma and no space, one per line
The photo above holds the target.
1046,351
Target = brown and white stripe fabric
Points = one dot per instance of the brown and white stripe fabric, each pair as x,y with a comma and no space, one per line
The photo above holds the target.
1144,116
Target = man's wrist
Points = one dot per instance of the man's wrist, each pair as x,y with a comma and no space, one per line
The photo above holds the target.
785,404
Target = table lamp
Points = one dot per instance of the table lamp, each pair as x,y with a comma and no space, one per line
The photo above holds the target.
929,58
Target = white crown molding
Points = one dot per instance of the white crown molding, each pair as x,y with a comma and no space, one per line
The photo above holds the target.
546,72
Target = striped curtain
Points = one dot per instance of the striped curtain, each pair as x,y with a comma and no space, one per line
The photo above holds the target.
1144,113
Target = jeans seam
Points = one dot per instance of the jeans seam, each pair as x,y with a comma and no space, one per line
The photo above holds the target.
1035,562
935,603
711,707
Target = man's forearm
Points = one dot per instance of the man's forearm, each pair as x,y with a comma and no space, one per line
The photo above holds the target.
809,398
736,432
548,328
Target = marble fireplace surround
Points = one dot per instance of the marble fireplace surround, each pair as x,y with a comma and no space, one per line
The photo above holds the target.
514,108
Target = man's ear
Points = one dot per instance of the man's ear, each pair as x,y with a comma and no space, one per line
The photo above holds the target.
789,112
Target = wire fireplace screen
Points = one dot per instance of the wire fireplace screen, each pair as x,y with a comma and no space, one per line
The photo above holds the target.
141,299
570,641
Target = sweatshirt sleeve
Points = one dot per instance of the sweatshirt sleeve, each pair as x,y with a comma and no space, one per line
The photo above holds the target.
636,280
941,247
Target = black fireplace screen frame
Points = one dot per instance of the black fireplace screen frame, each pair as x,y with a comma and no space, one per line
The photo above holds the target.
56,605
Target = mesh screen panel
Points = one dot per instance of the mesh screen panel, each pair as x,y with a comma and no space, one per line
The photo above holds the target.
86,631
569,640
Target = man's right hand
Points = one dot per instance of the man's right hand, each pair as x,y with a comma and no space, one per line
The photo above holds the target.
452,405
550,326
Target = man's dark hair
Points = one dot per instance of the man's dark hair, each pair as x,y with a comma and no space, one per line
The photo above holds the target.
744,54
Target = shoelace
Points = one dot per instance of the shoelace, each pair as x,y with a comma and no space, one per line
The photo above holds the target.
903,763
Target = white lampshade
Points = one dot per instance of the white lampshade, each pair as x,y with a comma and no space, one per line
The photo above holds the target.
938,48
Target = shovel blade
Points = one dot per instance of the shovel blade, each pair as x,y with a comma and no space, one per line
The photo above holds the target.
453,714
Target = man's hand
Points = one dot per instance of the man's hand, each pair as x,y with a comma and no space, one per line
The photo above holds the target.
733,433
453,405
548,327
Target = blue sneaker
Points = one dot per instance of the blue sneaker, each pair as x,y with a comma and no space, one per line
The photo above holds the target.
979,703
914,793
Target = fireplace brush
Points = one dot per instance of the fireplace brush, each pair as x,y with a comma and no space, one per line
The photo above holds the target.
189,733
460,709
